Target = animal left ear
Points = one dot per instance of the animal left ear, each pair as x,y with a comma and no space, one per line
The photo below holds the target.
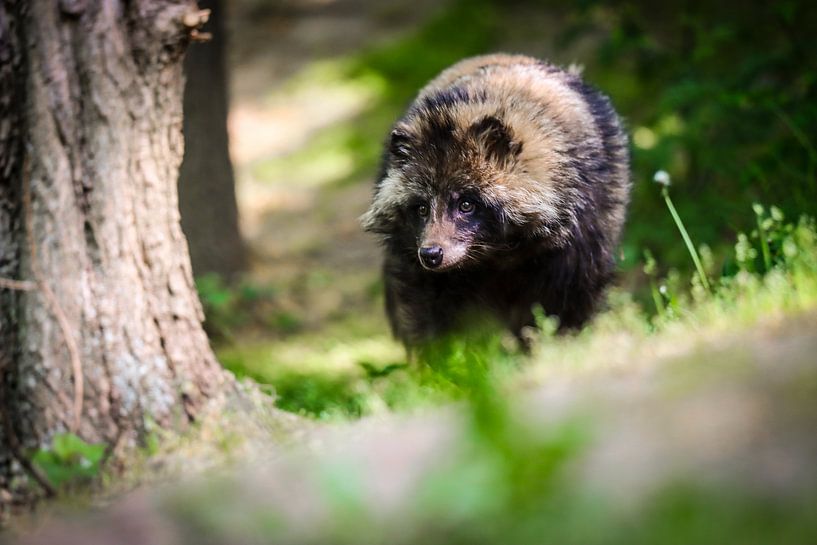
400,145
496,138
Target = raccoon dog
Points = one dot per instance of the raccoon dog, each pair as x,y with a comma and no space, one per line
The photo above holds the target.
503,187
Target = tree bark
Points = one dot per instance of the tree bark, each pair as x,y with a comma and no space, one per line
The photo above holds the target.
206,182
105,339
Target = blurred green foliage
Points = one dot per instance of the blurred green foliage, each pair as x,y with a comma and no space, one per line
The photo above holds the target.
723,95
241,306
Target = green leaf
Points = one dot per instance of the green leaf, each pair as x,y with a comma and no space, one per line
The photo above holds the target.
69,459
68,446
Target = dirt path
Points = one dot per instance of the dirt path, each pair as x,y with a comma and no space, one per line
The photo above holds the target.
304,234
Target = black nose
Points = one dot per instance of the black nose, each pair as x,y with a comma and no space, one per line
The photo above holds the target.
431,256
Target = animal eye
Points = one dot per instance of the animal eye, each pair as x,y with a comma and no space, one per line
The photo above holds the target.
466,207
422,210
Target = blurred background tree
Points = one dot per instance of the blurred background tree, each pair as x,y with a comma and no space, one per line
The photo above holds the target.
206,182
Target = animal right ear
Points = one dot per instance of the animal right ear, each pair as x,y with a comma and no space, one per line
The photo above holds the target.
400,143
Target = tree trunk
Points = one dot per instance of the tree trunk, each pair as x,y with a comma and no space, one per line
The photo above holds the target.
206,183
103,336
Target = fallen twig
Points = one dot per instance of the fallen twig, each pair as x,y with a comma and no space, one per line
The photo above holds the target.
19,285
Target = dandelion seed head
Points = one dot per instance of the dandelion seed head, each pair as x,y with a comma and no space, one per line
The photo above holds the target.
662,177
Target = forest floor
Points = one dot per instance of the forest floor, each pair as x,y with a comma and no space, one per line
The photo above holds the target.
301,224
708,439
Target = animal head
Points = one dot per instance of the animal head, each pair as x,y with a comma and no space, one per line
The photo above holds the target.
463,186
451,229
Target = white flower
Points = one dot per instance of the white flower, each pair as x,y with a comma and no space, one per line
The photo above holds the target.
661,177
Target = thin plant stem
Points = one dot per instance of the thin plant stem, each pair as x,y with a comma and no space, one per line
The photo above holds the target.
656,298
795,130
692,251
764,244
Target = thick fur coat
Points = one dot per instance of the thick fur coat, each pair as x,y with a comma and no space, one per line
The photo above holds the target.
504,186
